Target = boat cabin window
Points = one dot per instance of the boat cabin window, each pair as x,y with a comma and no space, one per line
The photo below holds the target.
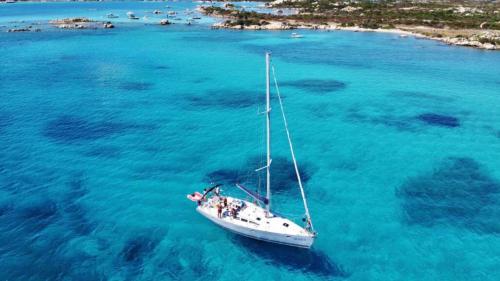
244,220
285,224
258,219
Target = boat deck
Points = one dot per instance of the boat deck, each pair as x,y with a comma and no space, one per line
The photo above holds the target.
251,216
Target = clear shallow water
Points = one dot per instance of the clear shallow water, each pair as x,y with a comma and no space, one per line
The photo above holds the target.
104,132
36,12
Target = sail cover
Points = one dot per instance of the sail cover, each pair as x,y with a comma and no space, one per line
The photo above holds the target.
254,194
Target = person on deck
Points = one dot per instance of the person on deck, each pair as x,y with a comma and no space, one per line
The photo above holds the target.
233,212
219,211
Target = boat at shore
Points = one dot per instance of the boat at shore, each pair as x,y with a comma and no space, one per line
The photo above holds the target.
256,219
296,35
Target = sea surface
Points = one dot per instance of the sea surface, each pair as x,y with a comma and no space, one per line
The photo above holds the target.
104,132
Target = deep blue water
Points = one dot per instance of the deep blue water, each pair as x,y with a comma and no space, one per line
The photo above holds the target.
104,132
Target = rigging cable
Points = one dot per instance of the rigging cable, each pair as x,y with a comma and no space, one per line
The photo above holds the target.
308,217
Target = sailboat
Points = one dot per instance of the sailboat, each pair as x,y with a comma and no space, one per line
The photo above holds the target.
256,219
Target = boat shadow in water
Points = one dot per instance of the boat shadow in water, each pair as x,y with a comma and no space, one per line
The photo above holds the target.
283,179
297,259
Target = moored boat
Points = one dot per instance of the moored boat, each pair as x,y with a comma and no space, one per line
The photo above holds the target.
132,16
256,219
164,22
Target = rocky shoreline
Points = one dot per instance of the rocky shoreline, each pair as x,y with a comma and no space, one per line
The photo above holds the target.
68,23
447,22
473,40
80,23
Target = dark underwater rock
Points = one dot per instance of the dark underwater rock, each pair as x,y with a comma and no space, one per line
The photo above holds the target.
105,152
75,211
136,86
458,192
283,176
137,248
421,96
223,98
73,129
38,210
76,187
227,176
4,209
161,67
439,120
5,120
187,261
34,215
400,123
316,85
77,216
397,122
69,129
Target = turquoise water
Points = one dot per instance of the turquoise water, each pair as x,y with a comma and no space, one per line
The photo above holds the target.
104,132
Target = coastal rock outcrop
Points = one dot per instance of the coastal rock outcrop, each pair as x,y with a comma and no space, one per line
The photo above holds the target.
18,30
488,40
72,23
23,29
484,40
81,23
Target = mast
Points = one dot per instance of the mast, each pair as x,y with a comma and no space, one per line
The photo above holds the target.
268,136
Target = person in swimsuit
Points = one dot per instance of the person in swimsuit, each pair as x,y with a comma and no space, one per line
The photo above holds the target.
219,211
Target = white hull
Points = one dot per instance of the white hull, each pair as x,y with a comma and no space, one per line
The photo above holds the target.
267,229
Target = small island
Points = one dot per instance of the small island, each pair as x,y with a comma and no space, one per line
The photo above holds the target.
80,23
465,23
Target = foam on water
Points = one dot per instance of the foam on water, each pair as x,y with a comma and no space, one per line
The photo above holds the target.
103,133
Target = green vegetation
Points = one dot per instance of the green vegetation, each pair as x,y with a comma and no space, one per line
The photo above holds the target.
489,40
383,14
371,14
242,18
